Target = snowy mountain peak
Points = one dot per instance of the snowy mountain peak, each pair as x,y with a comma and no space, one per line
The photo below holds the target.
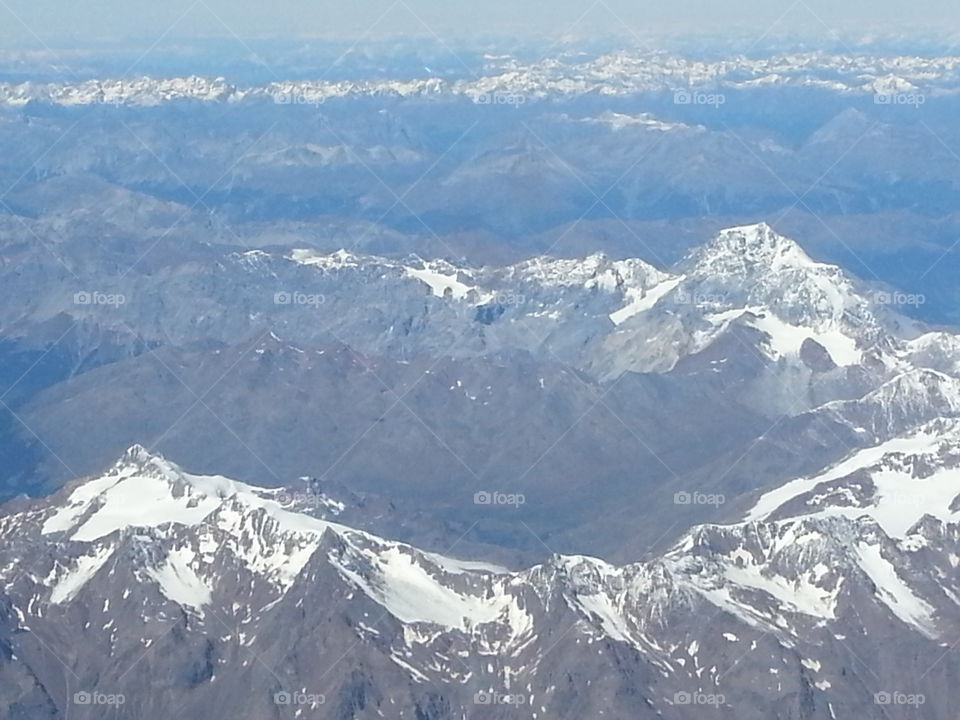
753,266
144,490
761,228
748,246
138,454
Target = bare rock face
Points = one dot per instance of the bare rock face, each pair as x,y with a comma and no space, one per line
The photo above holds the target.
816,357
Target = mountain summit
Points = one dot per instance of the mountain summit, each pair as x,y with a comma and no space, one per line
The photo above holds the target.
747,246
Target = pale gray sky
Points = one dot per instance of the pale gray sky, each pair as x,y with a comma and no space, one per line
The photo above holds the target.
59,21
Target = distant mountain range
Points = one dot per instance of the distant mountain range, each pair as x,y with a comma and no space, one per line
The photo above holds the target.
506,81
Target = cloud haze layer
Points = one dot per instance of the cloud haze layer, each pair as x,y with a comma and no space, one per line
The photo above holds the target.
36,22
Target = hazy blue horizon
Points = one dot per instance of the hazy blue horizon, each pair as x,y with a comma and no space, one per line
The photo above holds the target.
35,23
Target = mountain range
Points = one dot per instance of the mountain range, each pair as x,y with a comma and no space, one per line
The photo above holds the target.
506,80
223,597
406,380
745,364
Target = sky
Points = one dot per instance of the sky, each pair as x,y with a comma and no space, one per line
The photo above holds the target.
35,23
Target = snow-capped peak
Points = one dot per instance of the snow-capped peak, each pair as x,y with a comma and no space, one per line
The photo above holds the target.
138,454
145,490
745,248
753,266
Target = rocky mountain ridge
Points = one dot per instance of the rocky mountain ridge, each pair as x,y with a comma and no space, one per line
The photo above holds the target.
95,573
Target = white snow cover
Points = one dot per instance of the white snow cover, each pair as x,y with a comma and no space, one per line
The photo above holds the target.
460,567
69,584
733,578
786,339
747,276
617,73
643,300
770,282
329,261
596,599
902,495
798,595
894,592
144,490
179,582
412,594
554,284
601,606
440,283
610,316
618,121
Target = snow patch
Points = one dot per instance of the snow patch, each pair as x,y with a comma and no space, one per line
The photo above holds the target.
643,300
87,566
179,582
894,592
439,283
